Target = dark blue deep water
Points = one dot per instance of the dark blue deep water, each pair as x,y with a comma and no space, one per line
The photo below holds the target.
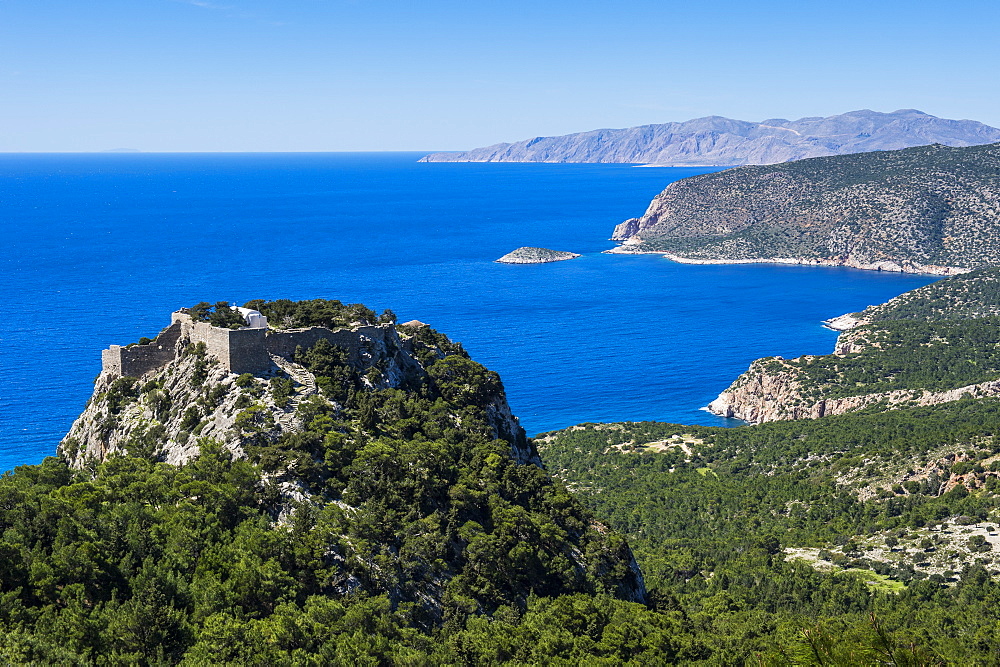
99,249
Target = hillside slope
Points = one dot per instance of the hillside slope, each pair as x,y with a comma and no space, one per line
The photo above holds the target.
340,507
718,141
931,209
848,540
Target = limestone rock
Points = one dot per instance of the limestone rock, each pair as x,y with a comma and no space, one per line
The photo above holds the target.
194,394
529,255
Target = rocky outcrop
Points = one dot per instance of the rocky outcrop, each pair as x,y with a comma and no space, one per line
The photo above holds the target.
392,455
775,389
762,396
715,140
529,255
166,411
931,209
845,322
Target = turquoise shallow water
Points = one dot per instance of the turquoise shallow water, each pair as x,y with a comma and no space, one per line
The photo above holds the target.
99,249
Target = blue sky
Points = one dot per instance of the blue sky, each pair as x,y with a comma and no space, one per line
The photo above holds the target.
333,75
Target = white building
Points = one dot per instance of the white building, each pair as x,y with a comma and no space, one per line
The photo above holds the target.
254,318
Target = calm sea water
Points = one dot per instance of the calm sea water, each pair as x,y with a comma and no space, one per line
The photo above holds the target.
99,249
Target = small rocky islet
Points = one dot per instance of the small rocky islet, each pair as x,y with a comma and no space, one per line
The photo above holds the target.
529,255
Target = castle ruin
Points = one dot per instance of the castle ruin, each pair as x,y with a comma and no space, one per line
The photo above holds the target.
244,350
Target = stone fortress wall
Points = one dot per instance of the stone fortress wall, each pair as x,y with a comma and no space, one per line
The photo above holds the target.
283,343
246,350
238,350
138,359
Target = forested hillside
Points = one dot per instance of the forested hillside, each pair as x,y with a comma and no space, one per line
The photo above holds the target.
352,514
966,296
933,345
867,538
380,505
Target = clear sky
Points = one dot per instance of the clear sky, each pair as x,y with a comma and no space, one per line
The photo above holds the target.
347,75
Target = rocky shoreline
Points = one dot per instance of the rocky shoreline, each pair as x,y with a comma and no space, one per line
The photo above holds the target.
889,266
776,398
810,386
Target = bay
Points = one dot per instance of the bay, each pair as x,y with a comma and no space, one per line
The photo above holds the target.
100,248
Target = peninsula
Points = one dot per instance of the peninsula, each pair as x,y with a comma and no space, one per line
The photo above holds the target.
718,141
529,255
929,209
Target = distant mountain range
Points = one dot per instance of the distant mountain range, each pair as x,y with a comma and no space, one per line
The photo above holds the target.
718,141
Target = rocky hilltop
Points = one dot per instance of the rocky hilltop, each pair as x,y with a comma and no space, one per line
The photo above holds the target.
391,453
930,209
718,141
934,345
529,255
195,394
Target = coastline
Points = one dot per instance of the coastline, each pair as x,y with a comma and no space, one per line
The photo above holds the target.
889,266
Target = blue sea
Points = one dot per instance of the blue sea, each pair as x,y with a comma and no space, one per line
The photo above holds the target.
100,248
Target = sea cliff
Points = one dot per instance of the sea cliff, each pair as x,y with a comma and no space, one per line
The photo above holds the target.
926,347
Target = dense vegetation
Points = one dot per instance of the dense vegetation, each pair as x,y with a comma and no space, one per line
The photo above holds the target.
288,314
906,354
143,562
710,511
395,525
329,313
968,295
929,205
405,523
218,315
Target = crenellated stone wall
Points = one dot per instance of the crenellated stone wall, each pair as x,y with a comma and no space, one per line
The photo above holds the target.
246,350
238,350
284,343
138,359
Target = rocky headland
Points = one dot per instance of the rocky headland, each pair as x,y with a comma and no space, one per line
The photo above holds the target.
197,392
933,345
529,255
931,209
718,141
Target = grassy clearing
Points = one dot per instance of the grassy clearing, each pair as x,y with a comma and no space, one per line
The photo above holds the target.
875,581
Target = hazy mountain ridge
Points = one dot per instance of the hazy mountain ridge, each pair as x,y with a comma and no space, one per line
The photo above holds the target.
719,141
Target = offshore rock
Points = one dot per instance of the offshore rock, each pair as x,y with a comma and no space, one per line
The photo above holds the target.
529,255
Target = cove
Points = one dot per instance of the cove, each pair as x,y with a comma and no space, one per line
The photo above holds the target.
99,249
